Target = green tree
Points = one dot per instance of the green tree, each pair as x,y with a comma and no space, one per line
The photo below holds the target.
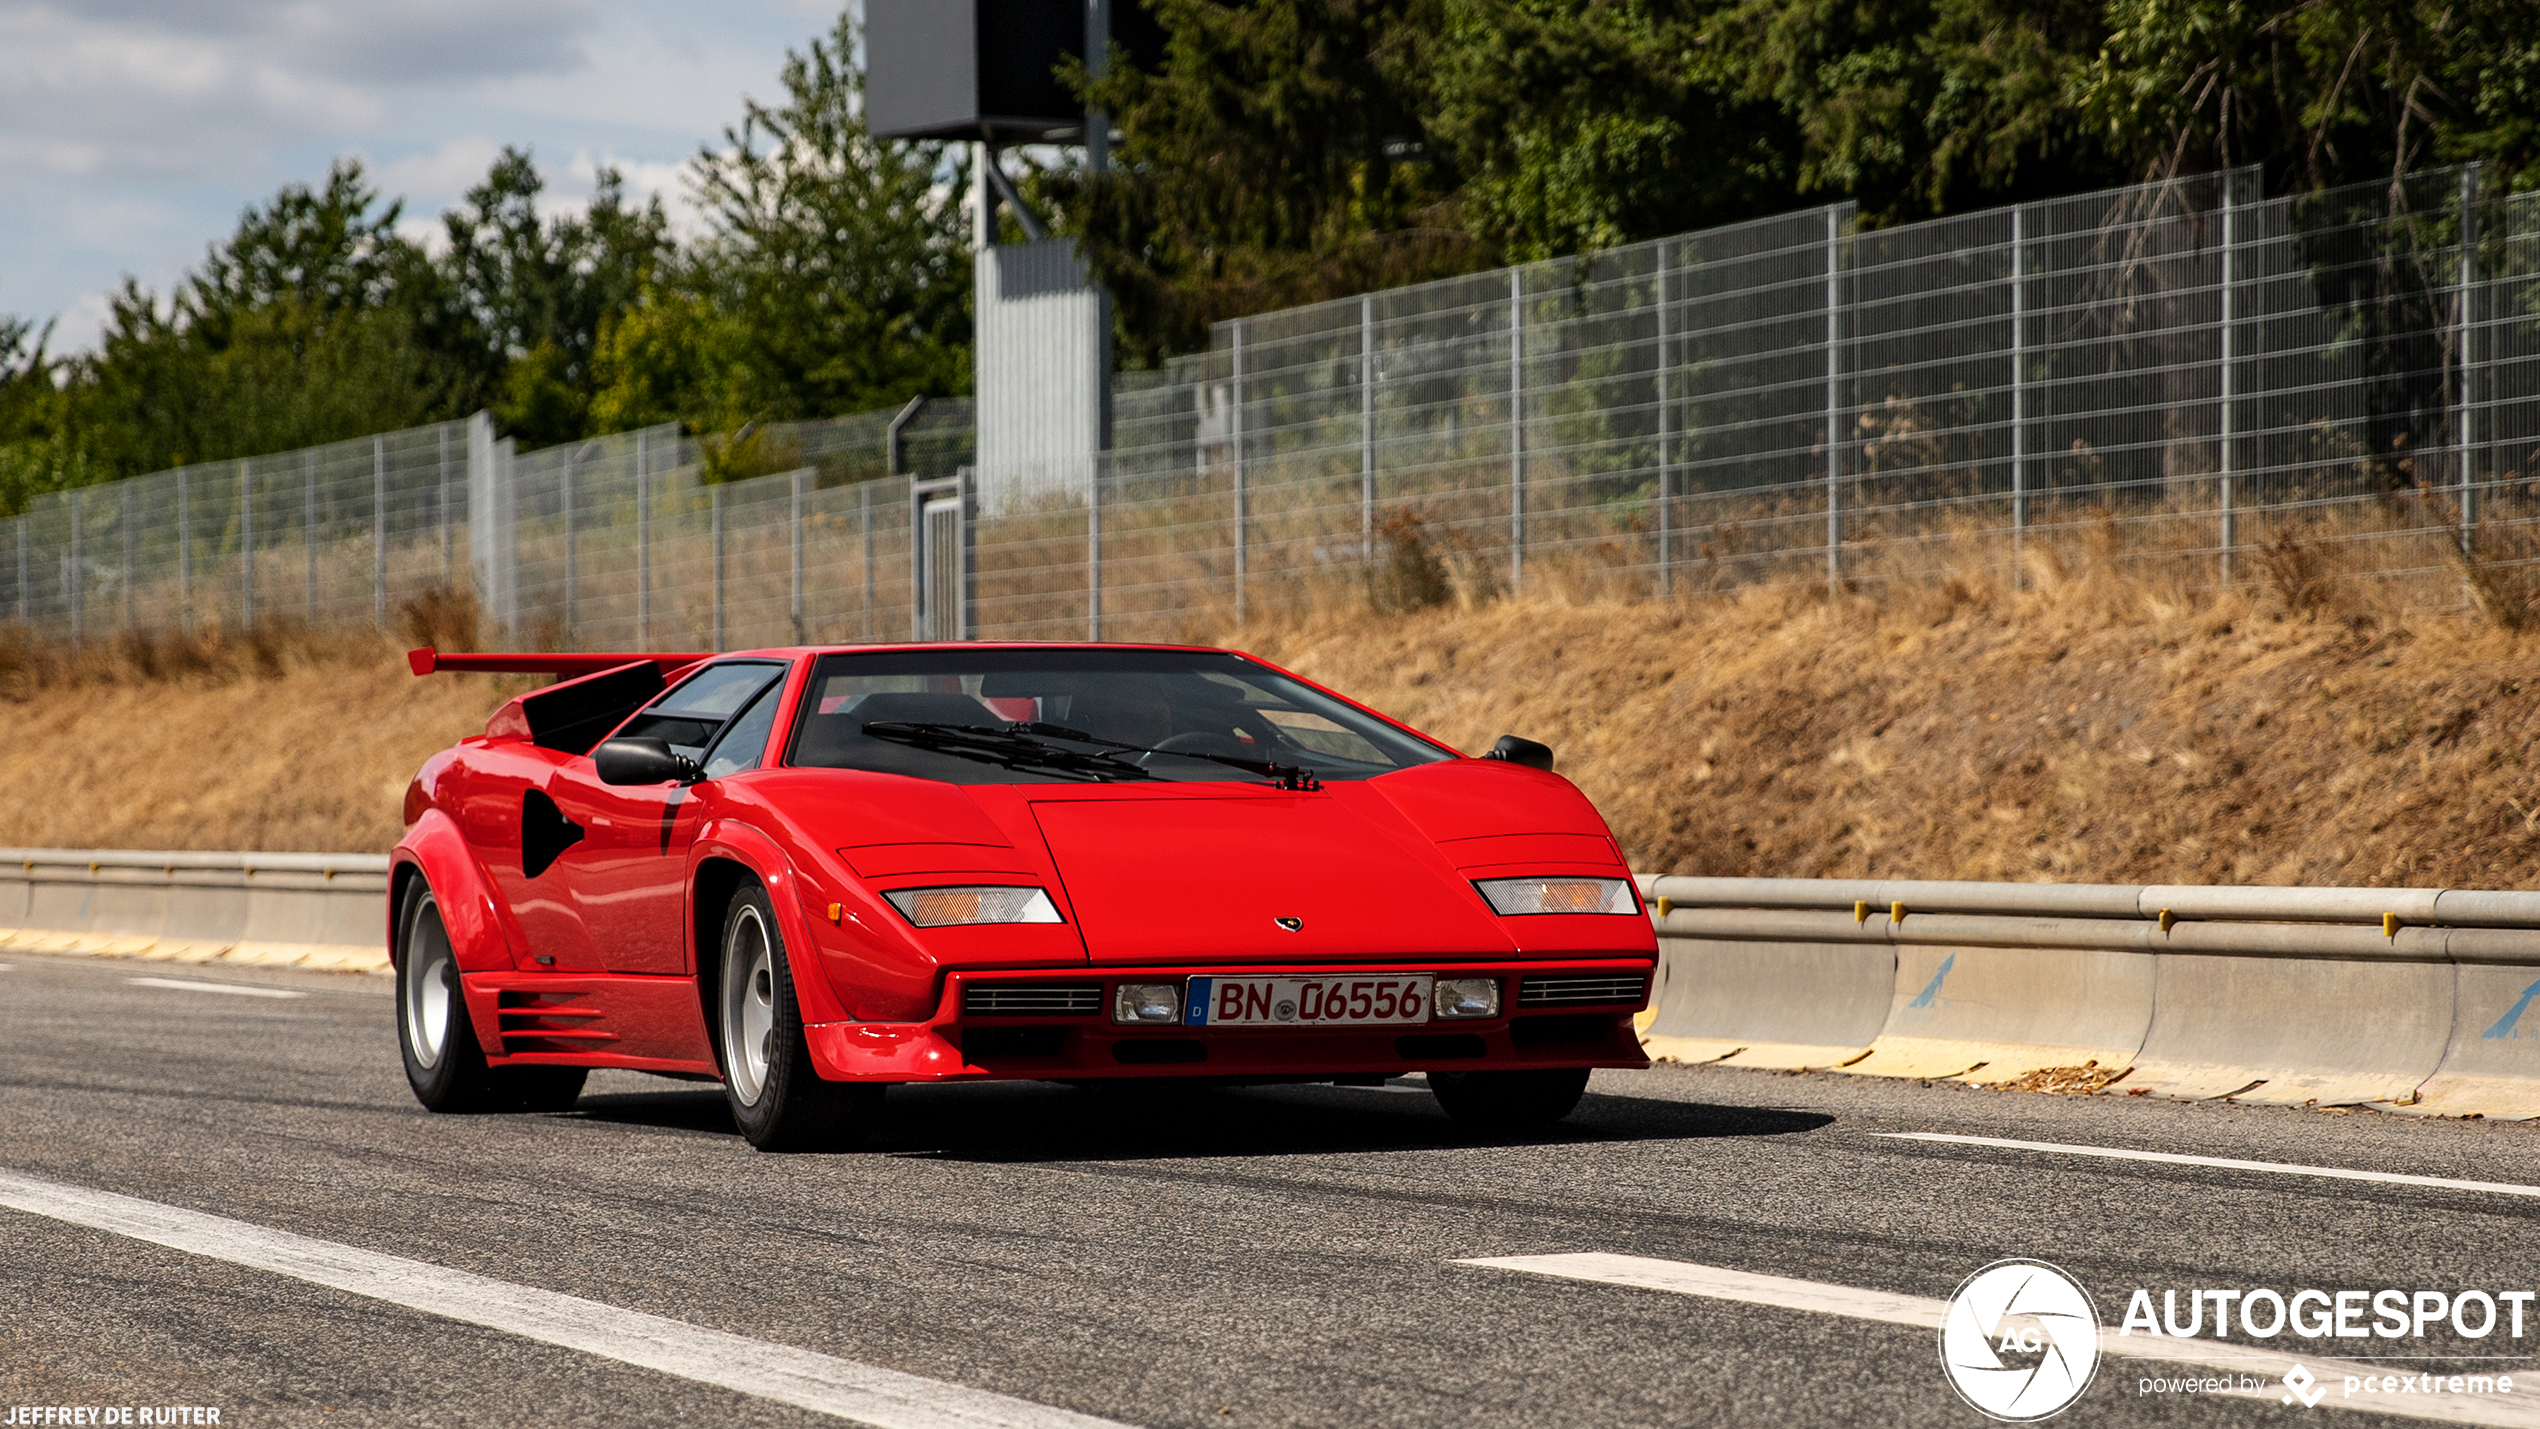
1276,156
834,275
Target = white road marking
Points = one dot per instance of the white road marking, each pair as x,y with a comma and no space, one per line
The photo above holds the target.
867,1394
2281,1168
2516,1411
234,989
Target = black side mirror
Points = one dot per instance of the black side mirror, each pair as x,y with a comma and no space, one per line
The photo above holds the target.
637,760
1522,751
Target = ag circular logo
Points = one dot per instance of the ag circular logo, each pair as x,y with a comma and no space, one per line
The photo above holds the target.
2021,1341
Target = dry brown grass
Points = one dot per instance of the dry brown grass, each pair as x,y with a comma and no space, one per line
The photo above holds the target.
2099,725
2095,727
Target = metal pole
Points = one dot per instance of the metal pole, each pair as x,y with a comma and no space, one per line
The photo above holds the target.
26,586
572,552
1367,427
2469,336
124,511
78,575
715,496
308,534
1093,547
1242,514
1516,428
1666,438
379,528
2227,424
1834,409
867,491
184,554
449,571
794,601
246,547
2019,396
643,550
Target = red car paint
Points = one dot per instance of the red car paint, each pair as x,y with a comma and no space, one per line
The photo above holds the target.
591,959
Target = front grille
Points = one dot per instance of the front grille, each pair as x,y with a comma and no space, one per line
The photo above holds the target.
1581,989
1032,999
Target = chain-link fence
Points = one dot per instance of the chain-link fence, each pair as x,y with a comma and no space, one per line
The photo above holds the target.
2184,377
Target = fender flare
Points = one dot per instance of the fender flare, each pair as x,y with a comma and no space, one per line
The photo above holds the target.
436,850
739,843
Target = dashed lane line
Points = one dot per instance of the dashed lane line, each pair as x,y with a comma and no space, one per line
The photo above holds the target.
866,1394
1747,1288
234,989
2226,1163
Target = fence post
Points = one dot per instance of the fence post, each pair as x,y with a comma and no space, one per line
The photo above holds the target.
308,533
1661,381
1367,427
2019,395
1093,546
1834,410
572,551
449,571
2469,336
26,586
869,588
184,553
794,600
123,512
643,549
2227,424
246,547
1242,513
714,496
379,529
1516,429
77,575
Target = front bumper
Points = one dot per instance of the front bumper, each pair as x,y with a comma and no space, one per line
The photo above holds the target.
960,1044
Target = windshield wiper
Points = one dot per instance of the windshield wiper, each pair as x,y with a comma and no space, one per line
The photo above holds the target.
1286,776
1013,747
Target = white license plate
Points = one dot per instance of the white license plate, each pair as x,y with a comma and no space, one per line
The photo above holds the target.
1305,1001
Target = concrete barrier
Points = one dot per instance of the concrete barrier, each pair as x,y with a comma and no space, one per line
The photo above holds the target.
2407,999
274,909
1777,1005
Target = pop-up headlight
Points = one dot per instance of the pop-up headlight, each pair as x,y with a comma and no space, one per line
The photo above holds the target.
1510,897
990,903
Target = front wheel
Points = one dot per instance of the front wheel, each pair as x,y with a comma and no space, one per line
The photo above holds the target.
777,1097
1509,1101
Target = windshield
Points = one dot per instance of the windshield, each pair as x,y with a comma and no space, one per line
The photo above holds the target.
1078,716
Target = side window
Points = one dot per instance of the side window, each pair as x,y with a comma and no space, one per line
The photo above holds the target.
689,717
745,743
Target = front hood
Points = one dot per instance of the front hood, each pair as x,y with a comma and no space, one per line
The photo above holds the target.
1175,878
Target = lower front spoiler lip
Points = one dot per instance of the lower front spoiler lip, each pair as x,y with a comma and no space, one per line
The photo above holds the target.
952,1047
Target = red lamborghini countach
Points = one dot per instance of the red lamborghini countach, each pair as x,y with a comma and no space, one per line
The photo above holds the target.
811,873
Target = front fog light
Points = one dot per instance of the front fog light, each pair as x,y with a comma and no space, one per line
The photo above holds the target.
1147,1002
1465,997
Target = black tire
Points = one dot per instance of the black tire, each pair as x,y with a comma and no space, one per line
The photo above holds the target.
435,1038
777,1097
1509,1101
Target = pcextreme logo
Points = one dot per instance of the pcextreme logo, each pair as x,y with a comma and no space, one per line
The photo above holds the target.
2020,1341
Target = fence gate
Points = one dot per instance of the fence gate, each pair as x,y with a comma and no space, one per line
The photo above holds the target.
943,515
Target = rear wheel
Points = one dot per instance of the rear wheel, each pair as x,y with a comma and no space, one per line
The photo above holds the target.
444,1064
778,1098
1509,1101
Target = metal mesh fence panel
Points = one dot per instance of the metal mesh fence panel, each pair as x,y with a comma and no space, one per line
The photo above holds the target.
2187,377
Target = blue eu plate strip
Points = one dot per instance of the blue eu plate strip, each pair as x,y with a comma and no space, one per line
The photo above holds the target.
1195,1009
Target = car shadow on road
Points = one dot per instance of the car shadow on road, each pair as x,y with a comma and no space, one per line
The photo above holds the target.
1038,1121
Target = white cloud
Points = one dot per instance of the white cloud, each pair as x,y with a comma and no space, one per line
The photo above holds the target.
133,132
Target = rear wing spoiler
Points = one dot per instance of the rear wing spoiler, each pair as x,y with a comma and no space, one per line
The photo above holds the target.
428,661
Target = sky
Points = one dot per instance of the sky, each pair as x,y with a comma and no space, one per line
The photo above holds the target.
133,132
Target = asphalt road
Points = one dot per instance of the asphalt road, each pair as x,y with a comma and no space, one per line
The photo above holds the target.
1259,1257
